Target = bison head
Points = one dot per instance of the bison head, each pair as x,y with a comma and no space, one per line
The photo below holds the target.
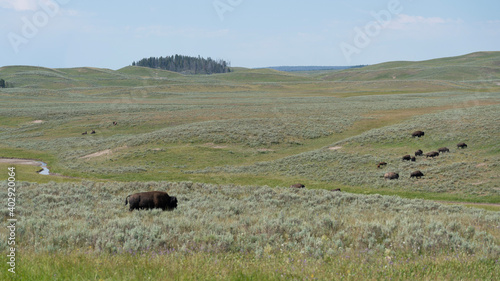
173,202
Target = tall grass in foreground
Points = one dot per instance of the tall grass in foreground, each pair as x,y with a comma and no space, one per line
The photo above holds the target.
245,232
199,265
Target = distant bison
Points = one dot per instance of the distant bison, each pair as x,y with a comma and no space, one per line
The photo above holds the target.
413,159
337,189
391,175
297,185
417,134
461,145
407,157
93,132
84,133
432,154
151,200
417,174
419,152
443,149
115,123
381,164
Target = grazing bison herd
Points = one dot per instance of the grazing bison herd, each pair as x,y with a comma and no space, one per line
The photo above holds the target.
418,174
93,131
161,200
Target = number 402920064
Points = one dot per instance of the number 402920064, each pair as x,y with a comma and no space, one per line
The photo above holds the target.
11,183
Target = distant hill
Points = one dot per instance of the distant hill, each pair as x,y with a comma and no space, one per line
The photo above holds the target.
471,67
311,68
475,68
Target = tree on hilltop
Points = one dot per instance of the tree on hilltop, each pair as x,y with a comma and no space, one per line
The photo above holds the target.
185,64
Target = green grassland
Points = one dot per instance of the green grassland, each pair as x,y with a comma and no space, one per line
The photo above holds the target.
230,144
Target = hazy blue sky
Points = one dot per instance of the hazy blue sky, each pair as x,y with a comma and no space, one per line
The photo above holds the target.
258,33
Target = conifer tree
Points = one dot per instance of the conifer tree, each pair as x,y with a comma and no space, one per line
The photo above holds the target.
185,64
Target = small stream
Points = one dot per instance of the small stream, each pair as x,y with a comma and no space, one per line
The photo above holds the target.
18,161
45,170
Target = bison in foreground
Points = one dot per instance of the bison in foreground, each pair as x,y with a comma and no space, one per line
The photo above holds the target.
432,154
461,145
151,200
391,175
443,149
297,185
417,174
417,134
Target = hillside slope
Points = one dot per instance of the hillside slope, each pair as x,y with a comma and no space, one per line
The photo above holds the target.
478,66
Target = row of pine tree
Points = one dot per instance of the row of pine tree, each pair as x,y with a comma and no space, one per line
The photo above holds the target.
186,64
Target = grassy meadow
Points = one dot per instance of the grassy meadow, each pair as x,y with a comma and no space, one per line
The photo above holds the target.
229,145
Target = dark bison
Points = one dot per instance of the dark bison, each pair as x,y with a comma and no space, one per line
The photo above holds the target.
432,154
417,134
297,185
151,200
443,149
461,145
391,175
93,132
419,152
84,133
114,123
337,189
381,164
417,174
407,157
413,159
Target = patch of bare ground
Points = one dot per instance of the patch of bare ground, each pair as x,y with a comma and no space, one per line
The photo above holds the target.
213,145
479,182
265,150
102,153
97,154
37,121
335,147
17,161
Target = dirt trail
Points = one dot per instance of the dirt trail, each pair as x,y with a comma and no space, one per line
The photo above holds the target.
17,161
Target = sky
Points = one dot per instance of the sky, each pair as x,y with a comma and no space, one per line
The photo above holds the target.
112,34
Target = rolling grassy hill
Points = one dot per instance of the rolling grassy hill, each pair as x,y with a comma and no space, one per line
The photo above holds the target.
481,66
239,126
